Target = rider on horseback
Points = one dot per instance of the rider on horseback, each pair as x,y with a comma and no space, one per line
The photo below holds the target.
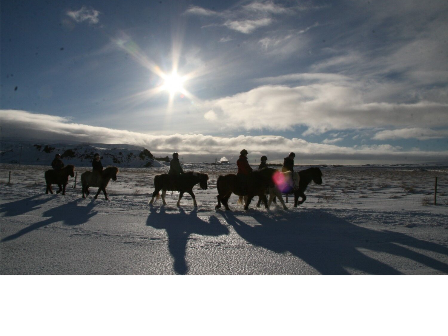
263,163
175,167
97,168
244,170
288,163
57,163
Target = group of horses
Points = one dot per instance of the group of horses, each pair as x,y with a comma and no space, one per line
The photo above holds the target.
258,183
88,179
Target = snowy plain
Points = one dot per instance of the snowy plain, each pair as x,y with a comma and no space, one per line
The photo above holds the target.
361,220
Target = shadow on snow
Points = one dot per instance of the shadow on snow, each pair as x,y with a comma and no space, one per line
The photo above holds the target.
179,226
69,214
331,244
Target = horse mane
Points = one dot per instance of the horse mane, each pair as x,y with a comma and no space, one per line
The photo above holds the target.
109,171
200,175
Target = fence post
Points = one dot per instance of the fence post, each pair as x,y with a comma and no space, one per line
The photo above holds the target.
76,176
435,192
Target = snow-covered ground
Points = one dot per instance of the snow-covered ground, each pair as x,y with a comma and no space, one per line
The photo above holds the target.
361,220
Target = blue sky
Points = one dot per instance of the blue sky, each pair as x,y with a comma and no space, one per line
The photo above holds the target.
333,81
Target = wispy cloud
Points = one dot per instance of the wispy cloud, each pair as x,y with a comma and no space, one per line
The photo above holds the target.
89,15
246,18
196,10
247,26
411,133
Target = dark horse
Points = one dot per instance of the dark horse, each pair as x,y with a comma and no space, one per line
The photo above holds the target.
59,177
88,179
257,182
306,176
182,183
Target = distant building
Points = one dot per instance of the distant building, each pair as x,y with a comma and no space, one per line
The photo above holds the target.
223,160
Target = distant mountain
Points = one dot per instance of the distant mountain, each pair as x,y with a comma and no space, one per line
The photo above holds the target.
80,155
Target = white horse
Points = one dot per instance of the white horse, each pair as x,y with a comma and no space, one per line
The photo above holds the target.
283,181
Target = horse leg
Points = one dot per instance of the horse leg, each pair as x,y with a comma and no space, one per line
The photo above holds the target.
194,198
263,198
97,193
296,198
163,196
225,200
249,199
105,193
63,188
181,194
218,206
60,189
155,195
280,197
48,188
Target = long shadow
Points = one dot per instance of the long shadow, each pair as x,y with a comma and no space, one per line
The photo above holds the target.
179,227
331,245
23,206
69,214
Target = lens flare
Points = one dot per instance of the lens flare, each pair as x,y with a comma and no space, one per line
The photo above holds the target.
283,182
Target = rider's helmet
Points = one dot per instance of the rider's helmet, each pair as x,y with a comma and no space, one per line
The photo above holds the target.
96,156
264,158
57,156
292,154
244,152
175,155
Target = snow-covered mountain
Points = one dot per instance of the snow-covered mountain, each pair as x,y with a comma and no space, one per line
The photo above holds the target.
80,155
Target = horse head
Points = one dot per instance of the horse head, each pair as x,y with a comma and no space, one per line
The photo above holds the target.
114,174
71,170
317,175
111,172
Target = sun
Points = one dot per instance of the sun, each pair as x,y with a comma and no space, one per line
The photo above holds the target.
173,83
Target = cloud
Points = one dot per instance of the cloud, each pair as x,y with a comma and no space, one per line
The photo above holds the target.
196,10
245,18
266,7
247,26
411,133
85,14
29,126
322,107
332,141
210,115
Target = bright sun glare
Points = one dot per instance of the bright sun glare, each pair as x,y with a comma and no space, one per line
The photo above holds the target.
173,83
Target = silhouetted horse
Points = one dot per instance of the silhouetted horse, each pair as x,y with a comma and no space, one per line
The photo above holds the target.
257,182
306,176
88,179
59,177
183,183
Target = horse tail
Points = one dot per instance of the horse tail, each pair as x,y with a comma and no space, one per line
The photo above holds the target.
218,187
158,183
218,184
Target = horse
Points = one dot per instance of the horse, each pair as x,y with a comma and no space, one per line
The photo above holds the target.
257,182
306,176
59,177
88,179
183,183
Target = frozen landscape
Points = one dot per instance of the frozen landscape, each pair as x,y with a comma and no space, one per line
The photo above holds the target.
361,220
